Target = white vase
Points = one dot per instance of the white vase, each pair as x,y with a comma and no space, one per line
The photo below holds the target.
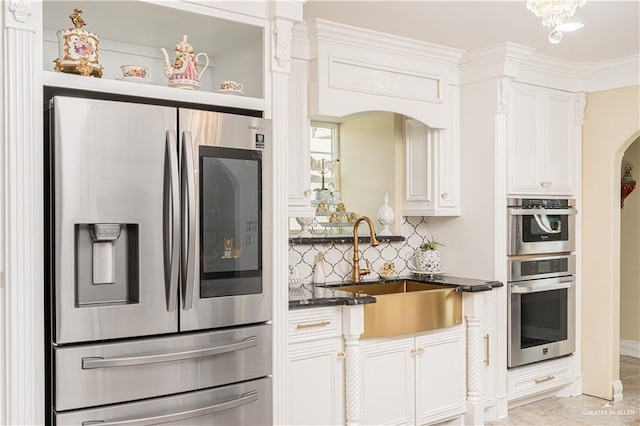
428,261
385,216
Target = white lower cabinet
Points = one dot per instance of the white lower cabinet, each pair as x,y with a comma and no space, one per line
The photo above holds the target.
315,370
534,379
413,380
316,383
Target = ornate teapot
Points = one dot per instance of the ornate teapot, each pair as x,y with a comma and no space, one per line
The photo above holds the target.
183,71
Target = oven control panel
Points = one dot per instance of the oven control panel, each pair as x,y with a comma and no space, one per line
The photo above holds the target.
541,267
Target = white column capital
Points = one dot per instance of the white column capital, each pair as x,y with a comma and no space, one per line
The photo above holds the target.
19,14
283,33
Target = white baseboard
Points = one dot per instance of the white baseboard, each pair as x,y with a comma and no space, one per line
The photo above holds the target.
630,348
617,391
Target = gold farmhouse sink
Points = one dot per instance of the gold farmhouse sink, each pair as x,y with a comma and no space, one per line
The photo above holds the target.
404,307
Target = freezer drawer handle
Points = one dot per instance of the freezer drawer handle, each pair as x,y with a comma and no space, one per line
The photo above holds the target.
97,362
246,398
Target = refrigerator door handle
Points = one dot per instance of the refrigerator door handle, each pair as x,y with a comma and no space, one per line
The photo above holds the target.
171,216
245,398
97,362
189,220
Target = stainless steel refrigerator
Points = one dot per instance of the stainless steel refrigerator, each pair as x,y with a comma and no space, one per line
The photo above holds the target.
159,310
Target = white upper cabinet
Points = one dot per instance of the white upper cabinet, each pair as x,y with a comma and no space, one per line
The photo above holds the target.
235,39
542,141
432,171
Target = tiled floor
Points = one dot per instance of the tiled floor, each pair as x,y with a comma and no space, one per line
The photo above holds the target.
584,409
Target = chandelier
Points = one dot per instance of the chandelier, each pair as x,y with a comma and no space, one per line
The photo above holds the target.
553,12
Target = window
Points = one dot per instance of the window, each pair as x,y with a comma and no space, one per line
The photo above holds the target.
324,156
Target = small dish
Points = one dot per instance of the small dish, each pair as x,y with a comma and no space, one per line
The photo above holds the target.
135,79
389,277
231,92
427,273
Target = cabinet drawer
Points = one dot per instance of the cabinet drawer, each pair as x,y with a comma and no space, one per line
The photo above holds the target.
315,323
537,378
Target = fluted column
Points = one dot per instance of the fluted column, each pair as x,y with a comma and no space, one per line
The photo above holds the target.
21,216
352,328
473,307
474,376
352,379
281,34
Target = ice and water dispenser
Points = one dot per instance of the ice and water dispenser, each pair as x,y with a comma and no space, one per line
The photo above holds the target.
106,256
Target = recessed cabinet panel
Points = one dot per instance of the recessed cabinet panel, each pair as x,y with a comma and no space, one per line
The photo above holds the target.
559,167
419,149
524,132
414,380
440,376
541,141
316,383
432,169
298,181
388,391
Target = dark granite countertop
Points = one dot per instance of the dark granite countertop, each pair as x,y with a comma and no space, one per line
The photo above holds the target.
330,294
325,296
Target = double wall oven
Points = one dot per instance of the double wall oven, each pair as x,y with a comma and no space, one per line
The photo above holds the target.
158,308
541,290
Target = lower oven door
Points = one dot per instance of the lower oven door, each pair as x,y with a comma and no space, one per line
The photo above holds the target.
248,403
541,320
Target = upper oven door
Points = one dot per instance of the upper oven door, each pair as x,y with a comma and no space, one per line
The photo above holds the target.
222,172
540,230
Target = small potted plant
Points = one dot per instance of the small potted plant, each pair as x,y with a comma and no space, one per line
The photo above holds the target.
428,256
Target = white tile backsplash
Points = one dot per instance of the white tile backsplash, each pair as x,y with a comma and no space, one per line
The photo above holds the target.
338,257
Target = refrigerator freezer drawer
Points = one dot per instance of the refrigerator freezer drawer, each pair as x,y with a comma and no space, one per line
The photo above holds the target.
98,374
247,403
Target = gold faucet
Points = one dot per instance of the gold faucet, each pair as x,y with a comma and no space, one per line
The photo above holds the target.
357,272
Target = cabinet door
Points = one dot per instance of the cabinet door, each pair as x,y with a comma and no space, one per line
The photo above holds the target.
488,327
298,157
524,133
316,383
432,164
387,382
440,375
559,165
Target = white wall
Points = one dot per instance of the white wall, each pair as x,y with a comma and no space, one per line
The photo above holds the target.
470,239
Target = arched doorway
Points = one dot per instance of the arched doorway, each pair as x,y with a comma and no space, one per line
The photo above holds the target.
630,263
611,124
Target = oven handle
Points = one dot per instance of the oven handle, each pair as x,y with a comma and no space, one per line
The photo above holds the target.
530,212
245,398
536,286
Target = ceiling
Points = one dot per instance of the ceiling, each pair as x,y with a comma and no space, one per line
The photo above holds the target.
612,30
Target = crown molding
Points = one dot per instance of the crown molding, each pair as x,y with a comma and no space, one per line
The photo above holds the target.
581,76
328,32
300,48
522,64
498,60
